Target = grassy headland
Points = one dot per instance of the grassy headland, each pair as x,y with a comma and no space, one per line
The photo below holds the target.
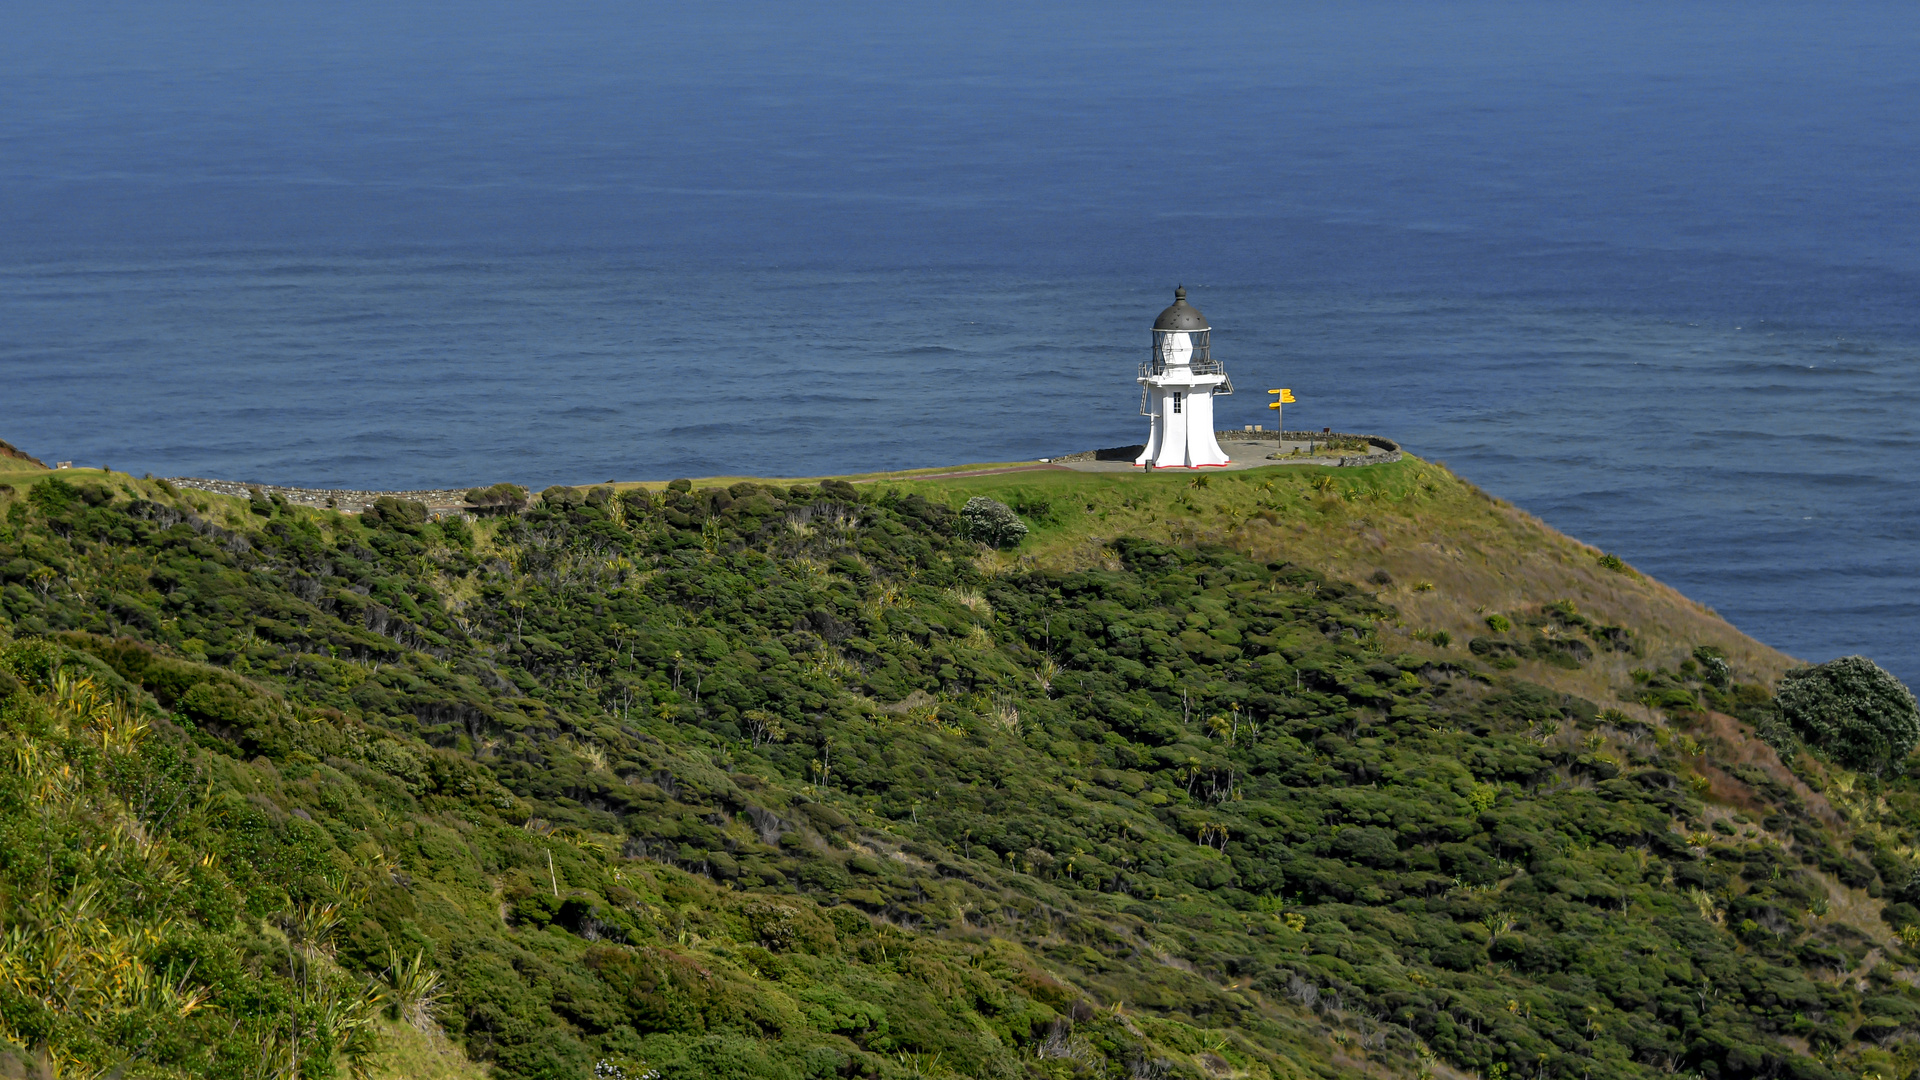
1299,772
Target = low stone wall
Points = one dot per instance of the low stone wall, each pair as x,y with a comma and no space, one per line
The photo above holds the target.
352,502
1111,453
1384,449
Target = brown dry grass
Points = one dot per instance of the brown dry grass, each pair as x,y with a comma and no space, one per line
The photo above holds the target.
1741,747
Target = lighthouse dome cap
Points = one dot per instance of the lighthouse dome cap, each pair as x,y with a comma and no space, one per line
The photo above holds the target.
1181,315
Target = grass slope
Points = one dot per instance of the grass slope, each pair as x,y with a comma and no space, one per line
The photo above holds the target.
792,780
1453,553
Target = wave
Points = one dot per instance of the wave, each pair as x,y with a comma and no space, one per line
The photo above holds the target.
925,350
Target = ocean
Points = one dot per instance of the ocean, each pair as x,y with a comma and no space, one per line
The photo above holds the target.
1647,270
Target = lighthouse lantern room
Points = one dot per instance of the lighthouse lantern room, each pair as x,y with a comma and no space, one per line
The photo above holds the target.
1178,383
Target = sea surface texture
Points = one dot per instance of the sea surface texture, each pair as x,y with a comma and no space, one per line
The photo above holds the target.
1648,270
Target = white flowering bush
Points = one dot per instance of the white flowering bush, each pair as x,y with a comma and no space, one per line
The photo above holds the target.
992,522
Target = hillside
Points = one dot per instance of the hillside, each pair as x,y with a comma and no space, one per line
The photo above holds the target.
15,460
1299,772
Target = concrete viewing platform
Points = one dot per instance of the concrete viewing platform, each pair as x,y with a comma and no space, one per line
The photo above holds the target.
1253,450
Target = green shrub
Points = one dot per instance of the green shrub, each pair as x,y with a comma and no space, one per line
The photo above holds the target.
455,530
390,513
1499,624
226,705
1852,710
1033,507
1486,646
500,498
53,496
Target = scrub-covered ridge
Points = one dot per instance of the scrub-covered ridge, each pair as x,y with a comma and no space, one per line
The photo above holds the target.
807,781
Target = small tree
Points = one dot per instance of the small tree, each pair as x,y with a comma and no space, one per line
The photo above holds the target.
991,522
1851,709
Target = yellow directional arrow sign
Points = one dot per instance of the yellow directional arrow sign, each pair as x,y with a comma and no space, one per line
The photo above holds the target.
1282,397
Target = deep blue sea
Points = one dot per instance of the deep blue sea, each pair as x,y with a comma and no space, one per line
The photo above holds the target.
1648,270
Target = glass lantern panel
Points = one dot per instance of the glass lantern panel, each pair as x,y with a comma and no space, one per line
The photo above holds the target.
1174,348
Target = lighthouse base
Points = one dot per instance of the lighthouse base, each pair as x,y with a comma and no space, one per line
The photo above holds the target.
1182,434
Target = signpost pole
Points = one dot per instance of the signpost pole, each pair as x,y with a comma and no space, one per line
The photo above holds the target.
1279,414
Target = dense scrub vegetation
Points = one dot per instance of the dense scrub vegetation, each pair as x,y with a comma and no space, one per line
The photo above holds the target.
782,781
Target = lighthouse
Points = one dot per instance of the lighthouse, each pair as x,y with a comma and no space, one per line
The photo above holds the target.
1178,382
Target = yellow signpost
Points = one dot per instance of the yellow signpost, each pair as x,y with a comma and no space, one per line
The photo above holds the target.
1286,397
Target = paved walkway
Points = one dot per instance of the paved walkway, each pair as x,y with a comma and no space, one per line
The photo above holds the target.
1245,455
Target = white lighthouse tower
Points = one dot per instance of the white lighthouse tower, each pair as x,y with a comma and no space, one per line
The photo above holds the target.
1177,386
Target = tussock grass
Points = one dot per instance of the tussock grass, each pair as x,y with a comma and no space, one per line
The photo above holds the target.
411,1054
